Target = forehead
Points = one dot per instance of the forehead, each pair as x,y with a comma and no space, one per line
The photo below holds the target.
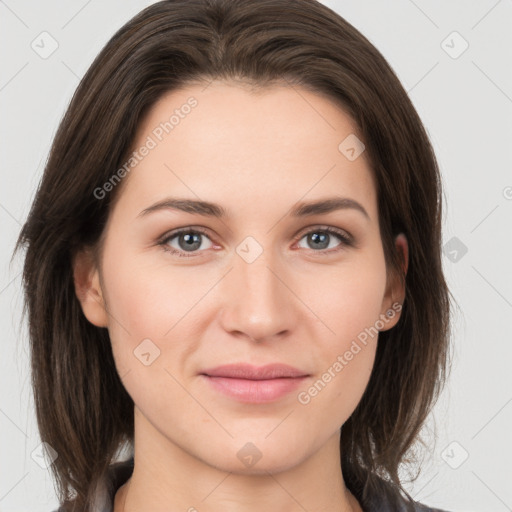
225,143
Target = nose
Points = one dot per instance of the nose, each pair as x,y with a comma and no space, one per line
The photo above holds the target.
258,301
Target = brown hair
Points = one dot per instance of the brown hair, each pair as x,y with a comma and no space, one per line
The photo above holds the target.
82,408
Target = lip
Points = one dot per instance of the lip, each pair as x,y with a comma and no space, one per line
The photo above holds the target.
253,384
249,371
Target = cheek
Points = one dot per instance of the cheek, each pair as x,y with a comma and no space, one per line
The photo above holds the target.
146,298
138,307
348,302
149,299
347,298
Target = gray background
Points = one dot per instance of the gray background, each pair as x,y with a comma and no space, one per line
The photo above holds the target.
465,101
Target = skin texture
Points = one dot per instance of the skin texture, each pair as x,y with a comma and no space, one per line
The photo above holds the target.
257,155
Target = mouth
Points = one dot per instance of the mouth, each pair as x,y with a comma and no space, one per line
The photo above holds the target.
248,371
251,384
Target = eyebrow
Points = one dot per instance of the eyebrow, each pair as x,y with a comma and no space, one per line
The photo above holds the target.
208,209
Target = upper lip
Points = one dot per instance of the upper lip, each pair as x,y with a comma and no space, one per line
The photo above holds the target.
248,371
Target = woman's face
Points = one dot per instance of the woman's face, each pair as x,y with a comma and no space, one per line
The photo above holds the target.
257,285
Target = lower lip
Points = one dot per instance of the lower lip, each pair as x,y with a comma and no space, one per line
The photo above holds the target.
255,391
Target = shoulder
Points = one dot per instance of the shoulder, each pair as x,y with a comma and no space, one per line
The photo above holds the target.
419,507
401,505
118,474
385,497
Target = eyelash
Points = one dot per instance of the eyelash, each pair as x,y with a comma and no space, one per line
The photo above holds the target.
345,239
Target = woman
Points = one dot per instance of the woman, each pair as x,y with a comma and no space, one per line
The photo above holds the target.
233,268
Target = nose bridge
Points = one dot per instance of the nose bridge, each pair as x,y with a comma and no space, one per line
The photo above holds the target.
259,304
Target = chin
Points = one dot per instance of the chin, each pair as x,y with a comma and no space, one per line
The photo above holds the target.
251,460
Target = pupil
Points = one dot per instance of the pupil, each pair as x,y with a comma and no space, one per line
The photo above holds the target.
189,239
322,238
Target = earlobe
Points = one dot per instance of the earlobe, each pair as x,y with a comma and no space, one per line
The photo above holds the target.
395,292
88,288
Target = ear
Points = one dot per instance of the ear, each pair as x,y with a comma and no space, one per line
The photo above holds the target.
395,290
88,288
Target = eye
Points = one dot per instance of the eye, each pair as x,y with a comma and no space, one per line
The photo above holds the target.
188,240
320,239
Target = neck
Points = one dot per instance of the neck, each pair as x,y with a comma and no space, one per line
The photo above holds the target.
167,477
